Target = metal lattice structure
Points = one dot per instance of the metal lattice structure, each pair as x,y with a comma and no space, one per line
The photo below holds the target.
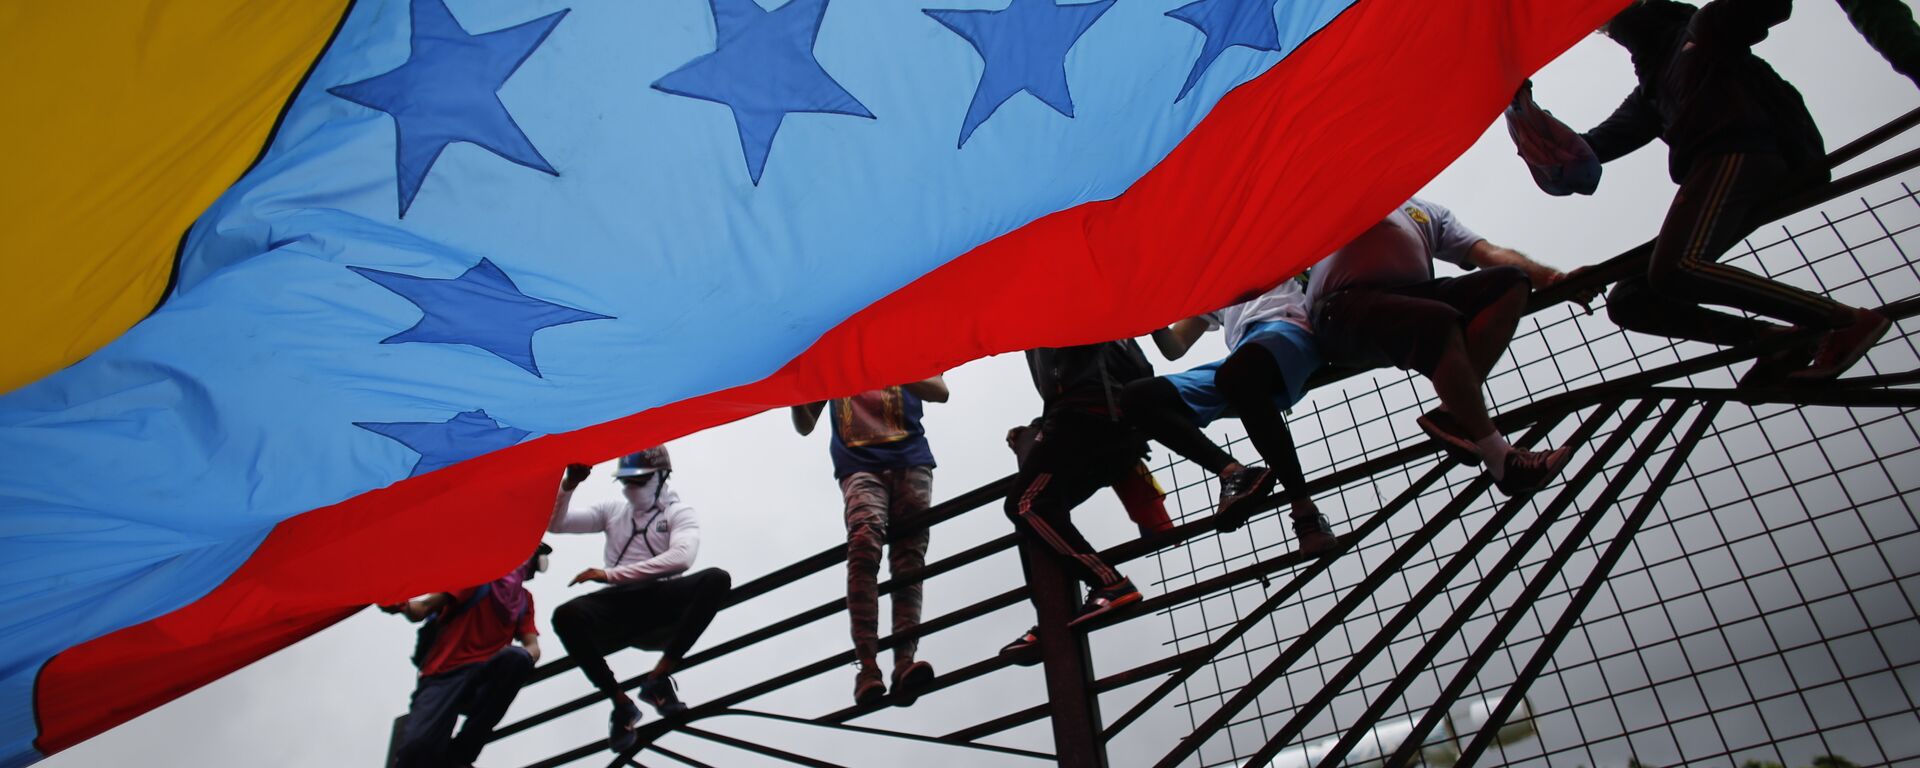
1721,575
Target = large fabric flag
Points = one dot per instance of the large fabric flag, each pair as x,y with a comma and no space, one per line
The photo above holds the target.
479,240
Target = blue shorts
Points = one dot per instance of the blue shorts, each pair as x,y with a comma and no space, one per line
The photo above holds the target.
1292,347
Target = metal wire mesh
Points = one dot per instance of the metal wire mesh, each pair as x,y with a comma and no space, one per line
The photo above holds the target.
1765,611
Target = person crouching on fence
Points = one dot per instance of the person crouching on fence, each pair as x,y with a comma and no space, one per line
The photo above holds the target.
652,603
1739,139
468,665
885,468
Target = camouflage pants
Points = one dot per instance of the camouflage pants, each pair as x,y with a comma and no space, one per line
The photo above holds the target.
874,501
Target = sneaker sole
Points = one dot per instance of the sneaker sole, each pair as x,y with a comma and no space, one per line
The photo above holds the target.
1456,448
1119,602
1319,546
1022,657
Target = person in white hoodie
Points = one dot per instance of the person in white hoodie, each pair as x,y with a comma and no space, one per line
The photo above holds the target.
652,601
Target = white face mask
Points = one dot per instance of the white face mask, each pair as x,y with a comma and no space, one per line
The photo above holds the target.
644,495
540,564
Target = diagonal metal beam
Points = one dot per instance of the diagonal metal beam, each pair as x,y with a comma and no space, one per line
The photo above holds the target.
1598,576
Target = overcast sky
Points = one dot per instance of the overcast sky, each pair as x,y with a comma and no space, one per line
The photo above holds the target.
766,496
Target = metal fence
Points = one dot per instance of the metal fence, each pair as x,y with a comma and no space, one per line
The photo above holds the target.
1721,575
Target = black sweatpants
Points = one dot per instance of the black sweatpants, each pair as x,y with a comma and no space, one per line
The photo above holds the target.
1248,380
1718,205
481,691
1074,454
666,615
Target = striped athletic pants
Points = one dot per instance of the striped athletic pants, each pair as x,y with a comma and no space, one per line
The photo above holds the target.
1073,456
875,501
1717,206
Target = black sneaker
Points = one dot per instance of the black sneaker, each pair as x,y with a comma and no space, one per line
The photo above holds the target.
1529,471
867,685
1103,599
910,679
657,691
621,736
1842,347
1236,488
1445,430
1771,368
1025,650
1314,533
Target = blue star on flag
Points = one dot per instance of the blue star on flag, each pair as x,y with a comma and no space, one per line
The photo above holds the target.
443,444
1025,49
447,92
1227,23
762,67
482,308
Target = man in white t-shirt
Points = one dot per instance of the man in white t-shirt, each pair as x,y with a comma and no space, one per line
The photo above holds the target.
1376,302
1273,355
653,602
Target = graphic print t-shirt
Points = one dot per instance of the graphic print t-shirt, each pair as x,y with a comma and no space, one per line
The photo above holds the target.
878,430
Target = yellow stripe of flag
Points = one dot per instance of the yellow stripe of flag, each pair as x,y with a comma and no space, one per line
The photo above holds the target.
125,119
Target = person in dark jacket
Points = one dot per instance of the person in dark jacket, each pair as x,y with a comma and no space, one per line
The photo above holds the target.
1888,26
1081,445
1739,137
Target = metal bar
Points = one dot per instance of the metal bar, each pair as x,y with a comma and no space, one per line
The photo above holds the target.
1828,394
1389,631
760,749
1873,138
677,756
1111,682
1601,570
1354,597
894,734
1490,581
1065,660
1273,601
820,561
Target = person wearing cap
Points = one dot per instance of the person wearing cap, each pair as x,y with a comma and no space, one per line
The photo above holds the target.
468,665
885,468
652,601
1739,141
1274,354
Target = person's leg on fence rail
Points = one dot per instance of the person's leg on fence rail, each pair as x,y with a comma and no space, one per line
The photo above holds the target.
490,691
1263,377
1888,26
911,496
1412,329
867,501
1715,209
690,602
430,717
1633,305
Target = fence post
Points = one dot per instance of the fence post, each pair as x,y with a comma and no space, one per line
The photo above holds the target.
1068,665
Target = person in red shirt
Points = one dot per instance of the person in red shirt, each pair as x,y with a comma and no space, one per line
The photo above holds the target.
468,665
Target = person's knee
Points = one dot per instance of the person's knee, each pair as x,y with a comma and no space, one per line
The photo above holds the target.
716,581
1249,374
1630,303
514,659
1146,397
571,619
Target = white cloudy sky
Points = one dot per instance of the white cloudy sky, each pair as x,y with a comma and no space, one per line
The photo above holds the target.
767,496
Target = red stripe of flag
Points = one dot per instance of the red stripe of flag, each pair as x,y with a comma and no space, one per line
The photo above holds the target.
1286,168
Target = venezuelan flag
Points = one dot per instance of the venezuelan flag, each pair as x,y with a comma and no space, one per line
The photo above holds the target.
294,287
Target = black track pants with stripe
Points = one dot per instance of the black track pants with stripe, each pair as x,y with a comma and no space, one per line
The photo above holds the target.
1073,456
1717,206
